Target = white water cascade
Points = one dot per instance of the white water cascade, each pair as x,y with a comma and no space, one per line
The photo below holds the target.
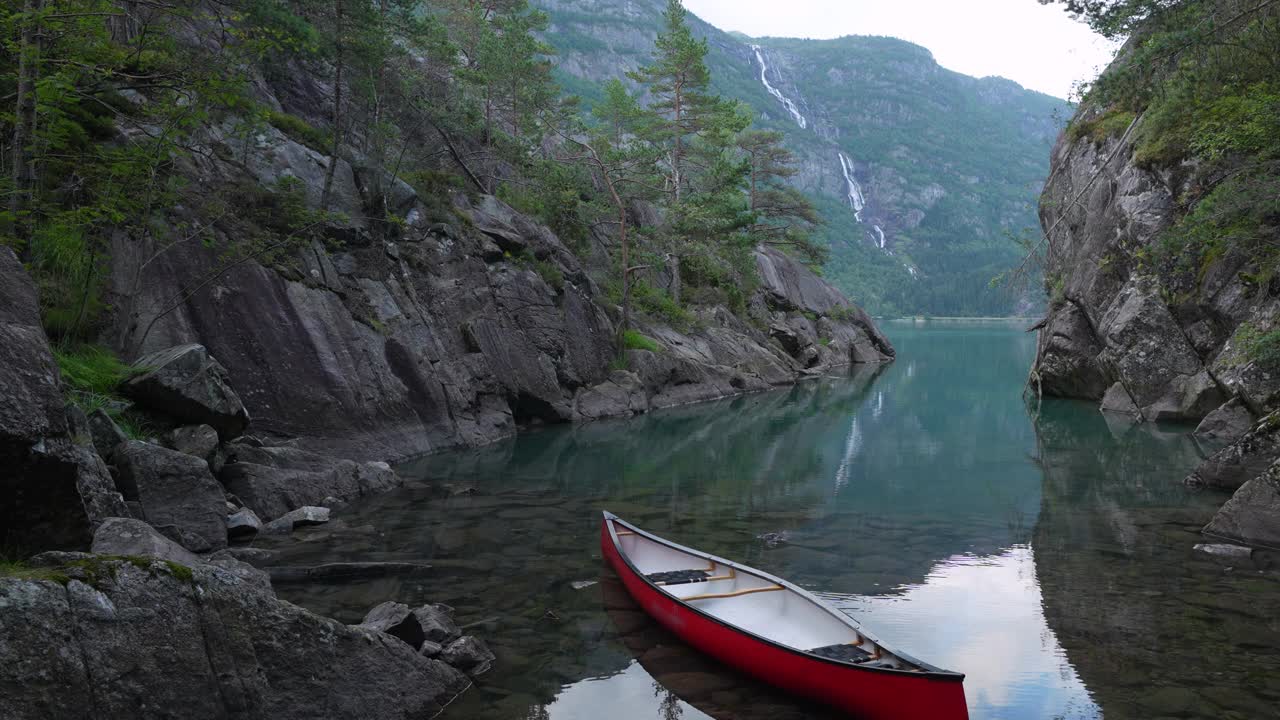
856,199
879,236
786,101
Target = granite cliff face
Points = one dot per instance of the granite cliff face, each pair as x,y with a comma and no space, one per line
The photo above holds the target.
449,336
1136,339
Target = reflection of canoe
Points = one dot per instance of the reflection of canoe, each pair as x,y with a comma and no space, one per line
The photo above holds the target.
775,631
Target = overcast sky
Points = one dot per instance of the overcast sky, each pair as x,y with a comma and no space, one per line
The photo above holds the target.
1035,45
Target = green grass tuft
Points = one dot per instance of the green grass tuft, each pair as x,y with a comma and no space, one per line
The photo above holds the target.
300,130
634,340
92,376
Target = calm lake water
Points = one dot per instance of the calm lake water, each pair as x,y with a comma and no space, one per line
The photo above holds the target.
1045,553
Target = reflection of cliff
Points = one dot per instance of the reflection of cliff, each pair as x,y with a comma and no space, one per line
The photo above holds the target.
1152,627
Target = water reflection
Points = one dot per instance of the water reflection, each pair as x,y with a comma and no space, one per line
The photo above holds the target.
1014,664
921,497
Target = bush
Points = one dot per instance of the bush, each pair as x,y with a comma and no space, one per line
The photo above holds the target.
652,303
635,340
301,130
1109,124
1261,348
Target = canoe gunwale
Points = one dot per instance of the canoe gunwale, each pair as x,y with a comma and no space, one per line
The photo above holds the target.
926,670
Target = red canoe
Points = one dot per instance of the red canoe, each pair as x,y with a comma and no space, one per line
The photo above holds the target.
769,628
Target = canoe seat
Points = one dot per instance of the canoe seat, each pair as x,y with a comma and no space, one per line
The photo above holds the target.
679,577
843,652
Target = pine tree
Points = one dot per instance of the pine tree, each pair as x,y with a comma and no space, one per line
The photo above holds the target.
678,82
783,215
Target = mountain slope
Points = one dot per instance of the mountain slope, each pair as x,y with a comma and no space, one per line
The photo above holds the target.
937,166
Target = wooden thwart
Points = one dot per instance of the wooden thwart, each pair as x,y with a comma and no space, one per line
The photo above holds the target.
736,593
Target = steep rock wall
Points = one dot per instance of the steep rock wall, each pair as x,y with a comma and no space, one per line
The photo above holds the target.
1116,331
379,346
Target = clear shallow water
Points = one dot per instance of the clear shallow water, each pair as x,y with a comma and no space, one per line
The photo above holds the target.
1047,555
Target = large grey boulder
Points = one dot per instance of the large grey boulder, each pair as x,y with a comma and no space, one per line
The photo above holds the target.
1229,422
302,517
1148,352
1242,460
428,623
298,478
196,440
177,493
1067,355
1252,515
126,536
186,383
201,643
243,524
468,654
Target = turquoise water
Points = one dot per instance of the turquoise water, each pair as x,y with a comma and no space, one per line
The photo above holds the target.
1044,551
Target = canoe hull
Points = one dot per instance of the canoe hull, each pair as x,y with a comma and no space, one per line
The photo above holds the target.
860,692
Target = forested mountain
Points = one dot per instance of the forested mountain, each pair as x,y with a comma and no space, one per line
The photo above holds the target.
938,168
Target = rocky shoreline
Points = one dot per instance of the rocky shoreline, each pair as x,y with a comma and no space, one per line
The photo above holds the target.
169,608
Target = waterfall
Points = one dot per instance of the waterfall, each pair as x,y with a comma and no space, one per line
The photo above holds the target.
786,101
856,200
879,236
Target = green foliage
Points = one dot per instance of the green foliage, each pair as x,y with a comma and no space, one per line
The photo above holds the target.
92,376
559,195
548,270
634,340
1110,124
300,130
1238,215
21,571
652,302
91,369
1254,345
95,570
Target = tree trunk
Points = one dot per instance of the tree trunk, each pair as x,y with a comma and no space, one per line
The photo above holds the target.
23,171
678,154
626,264
337,106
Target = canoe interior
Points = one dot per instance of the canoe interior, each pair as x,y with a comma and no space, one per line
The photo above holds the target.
747,600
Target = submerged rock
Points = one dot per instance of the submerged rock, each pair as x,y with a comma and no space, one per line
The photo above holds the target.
1231,420
347,572
1224,550
1242,460
1252,515
469,655
186,383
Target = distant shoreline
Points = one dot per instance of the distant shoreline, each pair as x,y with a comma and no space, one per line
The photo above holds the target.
924,318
